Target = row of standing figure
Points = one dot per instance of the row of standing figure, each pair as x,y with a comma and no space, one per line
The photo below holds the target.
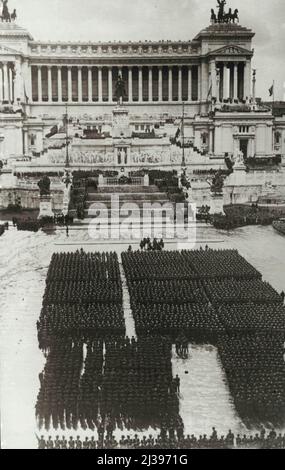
182,347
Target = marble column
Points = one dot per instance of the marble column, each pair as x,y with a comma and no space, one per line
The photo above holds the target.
218,84
180,84
110,84
150,93
69,84
211,141
140,85
49,83
199,82
26,80
130,85
40,93
59,84
160,97
189,83
80,91
100,85
170,84
26,143
225,82
11,85
90,91
235,81
247,79
18,82
213,79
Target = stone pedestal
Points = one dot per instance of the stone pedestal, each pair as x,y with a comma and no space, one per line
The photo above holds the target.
45,207
217,204
146,180
8,179
121,123
100,181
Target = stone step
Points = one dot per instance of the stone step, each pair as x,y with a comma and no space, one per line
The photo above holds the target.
126,196
126,189
139,203
92,213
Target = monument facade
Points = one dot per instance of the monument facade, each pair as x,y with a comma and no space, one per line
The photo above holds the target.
212,75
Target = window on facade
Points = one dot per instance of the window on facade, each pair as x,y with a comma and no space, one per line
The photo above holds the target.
243,129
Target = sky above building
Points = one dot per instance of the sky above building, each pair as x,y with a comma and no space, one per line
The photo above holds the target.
120,20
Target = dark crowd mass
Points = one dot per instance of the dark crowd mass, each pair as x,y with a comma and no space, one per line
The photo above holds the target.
261,440
97,379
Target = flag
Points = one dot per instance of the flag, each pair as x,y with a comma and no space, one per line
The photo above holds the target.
52,132
271,90
178,132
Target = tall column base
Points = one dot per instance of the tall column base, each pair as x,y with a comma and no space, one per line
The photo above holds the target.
45,207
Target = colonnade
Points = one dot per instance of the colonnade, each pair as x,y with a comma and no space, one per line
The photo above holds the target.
231,80
6,81
88,83
174,83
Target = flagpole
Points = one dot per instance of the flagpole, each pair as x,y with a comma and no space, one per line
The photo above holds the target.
273,96
66,140
183,139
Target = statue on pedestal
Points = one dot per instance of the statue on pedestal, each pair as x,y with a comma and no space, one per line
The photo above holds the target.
44,185
120,90
217,183
240,158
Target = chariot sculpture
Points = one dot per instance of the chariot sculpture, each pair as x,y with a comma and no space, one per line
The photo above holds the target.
222,16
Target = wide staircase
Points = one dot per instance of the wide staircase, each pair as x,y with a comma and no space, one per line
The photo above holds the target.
138,195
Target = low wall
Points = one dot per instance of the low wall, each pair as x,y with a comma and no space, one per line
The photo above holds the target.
29,198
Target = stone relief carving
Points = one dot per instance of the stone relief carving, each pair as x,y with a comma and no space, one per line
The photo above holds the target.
150,156
84,157
176,156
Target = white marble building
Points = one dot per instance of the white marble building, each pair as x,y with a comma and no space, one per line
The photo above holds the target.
211,75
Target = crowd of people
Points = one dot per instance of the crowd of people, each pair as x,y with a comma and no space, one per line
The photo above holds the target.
115,383
96,378
260,440
155,245
73,320
157,265
233,291
83,296
253,317
219,310
199,323
138,388
167,292
195,264
255,368
220,264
